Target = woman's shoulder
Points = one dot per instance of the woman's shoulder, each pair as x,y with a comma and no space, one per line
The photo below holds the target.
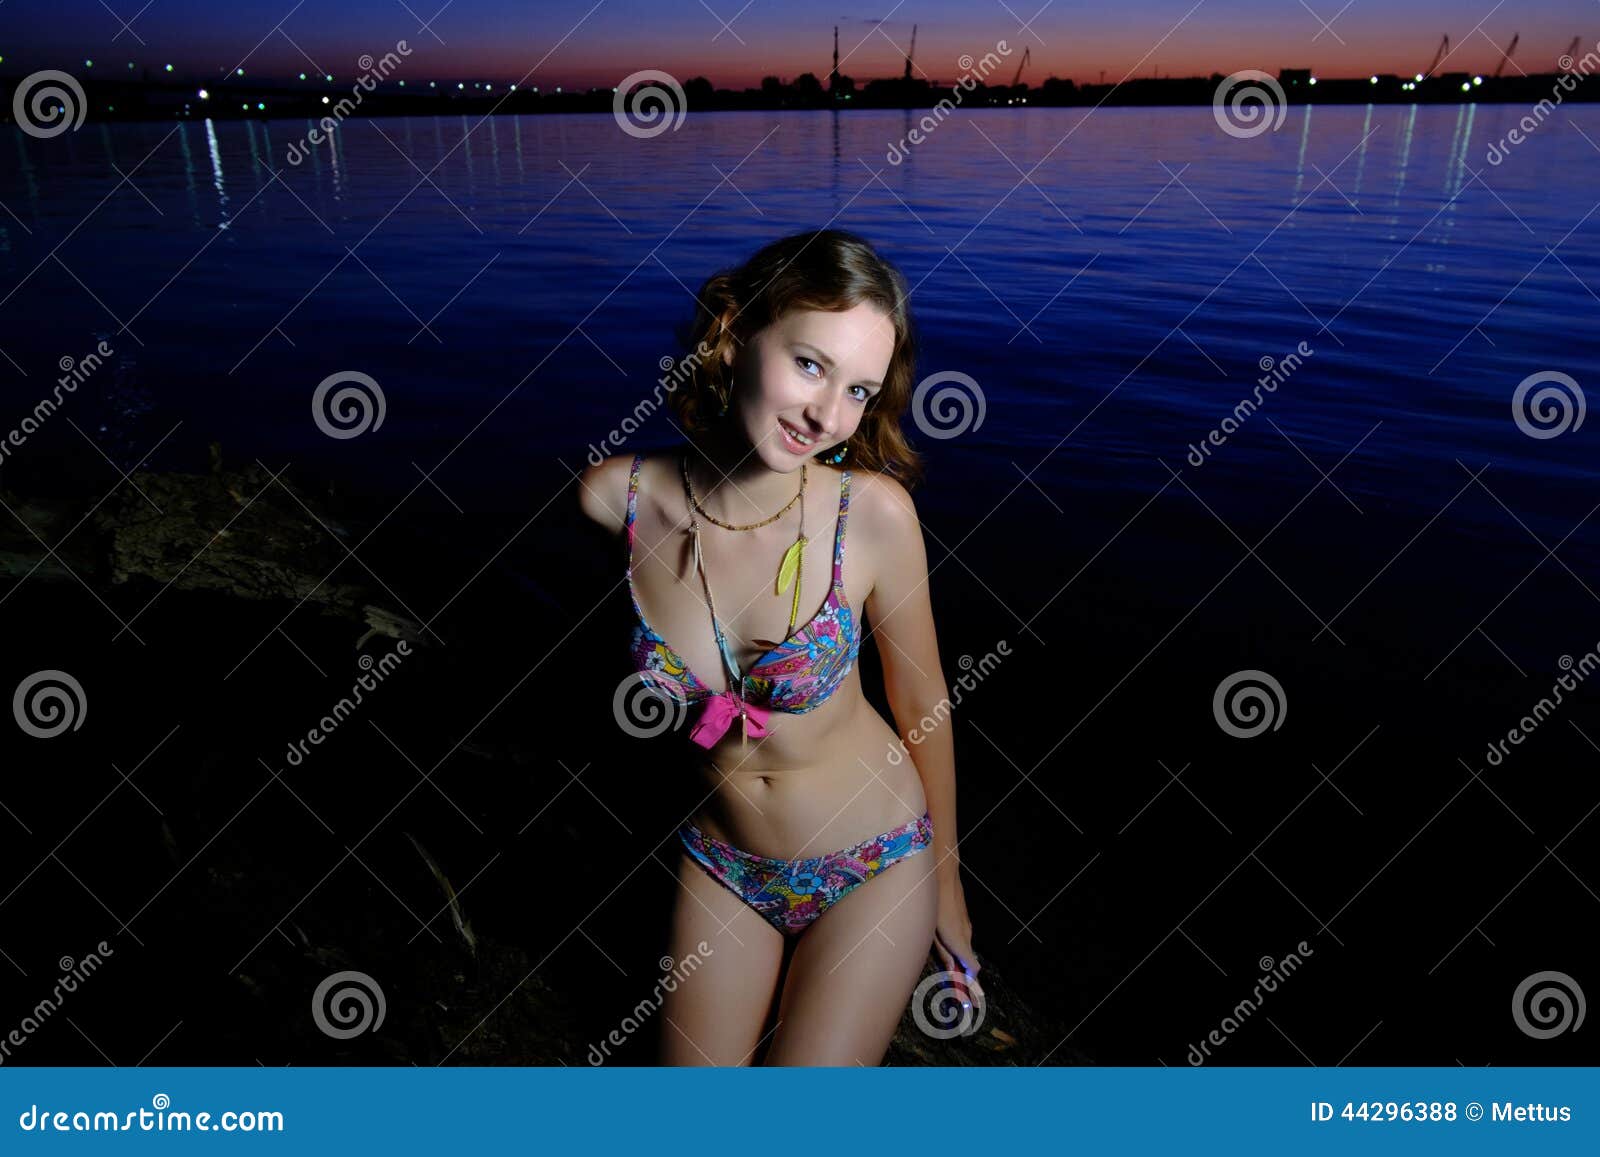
603,491
882,501
884,526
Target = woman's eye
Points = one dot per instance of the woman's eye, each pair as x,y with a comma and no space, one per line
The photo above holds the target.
865,395
802,362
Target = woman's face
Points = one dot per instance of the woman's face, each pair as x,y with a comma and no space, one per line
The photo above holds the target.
809,374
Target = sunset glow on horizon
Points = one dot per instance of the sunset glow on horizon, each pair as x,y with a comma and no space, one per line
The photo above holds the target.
592,44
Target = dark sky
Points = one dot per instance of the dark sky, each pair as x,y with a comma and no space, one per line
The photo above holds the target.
598,42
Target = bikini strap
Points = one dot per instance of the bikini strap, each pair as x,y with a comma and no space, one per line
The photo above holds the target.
838,543
633,503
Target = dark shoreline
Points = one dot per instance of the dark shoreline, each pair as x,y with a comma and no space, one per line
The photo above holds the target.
162,101
485,725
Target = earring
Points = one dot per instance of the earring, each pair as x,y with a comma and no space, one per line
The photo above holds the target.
838,457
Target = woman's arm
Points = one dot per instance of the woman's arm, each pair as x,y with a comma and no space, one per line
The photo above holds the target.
901,614
602,492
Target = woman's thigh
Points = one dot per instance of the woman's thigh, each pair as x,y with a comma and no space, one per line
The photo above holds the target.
715,1014
854,969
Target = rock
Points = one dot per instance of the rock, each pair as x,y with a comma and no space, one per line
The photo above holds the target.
241,533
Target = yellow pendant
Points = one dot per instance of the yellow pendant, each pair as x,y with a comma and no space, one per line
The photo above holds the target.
789,572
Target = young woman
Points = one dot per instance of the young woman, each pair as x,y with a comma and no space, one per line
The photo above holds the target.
821,862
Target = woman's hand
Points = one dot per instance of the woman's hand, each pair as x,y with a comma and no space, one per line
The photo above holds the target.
952,938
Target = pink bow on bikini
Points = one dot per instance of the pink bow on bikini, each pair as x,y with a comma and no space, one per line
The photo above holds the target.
721,712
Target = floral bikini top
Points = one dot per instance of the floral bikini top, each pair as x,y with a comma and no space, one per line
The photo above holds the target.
796,676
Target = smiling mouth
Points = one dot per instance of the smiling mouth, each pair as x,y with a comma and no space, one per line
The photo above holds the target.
795,437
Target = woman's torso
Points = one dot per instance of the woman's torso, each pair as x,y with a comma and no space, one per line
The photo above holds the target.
820,778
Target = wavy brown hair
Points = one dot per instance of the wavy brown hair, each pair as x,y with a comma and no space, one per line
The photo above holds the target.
826,269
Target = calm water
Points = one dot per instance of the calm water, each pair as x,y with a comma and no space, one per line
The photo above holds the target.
1120,299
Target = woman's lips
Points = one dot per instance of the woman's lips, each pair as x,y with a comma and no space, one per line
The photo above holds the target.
793,446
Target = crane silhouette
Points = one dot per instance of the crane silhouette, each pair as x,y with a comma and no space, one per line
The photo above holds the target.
1444,47
1505,59
1020,64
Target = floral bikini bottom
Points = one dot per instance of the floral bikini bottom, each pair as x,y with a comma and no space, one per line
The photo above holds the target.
793,893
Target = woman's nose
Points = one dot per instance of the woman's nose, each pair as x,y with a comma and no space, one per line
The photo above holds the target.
824,415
